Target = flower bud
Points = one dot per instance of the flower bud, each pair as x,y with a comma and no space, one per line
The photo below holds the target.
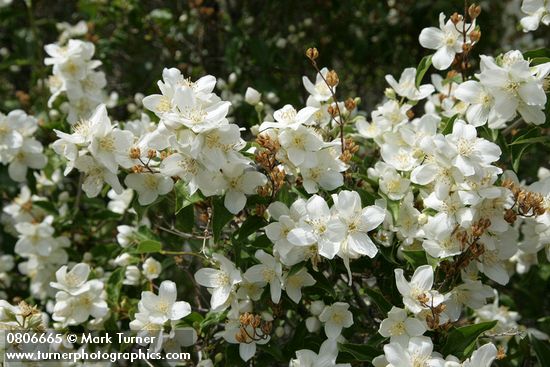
317,307
252,96
313,324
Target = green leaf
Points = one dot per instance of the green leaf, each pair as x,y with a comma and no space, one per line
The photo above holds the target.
516,157
538,139
114,284
461,341
148,246
46,205
220,217
541,52
422,68
251,225
415,258
379,300
360,352
449,125
542,350
183,199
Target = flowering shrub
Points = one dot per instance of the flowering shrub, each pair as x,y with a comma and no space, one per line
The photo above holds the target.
321,236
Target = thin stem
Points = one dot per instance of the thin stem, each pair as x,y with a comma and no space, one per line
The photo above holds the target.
341,123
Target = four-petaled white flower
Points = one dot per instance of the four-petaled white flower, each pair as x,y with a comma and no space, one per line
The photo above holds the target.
221,281
163,307
336,317
417,294
269,271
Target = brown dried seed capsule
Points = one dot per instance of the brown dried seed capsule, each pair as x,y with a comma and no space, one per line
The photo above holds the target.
475,35
456,18
474,10
151,153
333,111
332,78
510,216
350,104
410,114
135,153
312,53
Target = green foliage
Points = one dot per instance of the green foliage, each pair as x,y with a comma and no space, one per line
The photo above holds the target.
461,341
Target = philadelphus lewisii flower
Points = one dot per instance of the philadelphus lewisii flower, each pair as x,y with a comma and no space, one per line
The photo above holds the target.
399,327
538,11
18,148
446,40
74,74
269,271
418,289
163,307
336,317
220,281
328,352
78,298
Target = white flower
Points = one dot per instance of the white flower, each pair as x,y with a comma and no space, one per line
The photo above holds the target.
95,175
78,297
320,90
538,11
252,96
151,268
126,235
241,182
35,238
288,117
149,186
326,174
482,357
419,288
73,281
407,87
75,309
221,282
399,327
28,155
300,145
482,102
418,352
328,352
336,317
515,86
358,222
132,275
119,202
446,39
247,348
318,227
470,153
109,146
293,283
269,271
163,307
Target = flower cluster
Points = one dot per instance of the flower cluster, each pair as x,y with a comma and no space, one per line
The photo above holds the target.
75,74
77,297
310,229
18,147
